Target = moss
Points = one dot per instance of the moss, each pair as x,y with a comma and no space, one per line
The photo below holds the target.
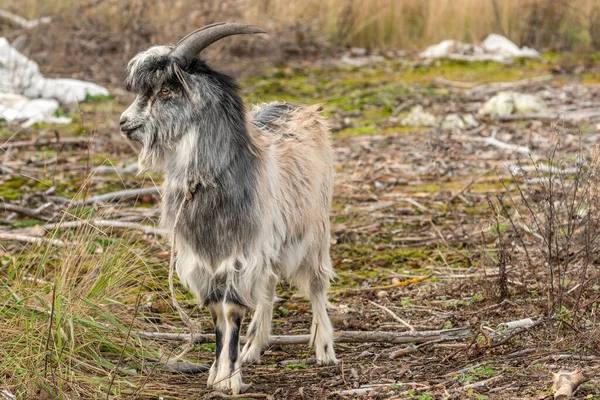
97,98
26,223
18,185
6,133
365,130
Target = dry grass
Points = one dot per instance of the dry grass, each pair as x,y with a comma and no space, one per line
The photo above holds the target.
67,313
97,38
407,24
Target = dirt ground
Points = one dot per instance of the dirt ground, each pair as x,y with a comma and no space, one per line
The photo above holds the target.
415,229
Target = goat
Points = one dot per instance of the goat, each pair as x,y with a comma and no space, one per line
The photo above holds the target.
258,190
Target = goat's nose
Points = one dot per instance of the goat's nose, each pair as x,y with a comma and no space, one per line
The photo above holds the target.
123,120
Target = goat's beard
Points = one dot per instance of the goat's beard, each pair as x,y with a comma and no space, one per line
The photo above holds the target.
151,158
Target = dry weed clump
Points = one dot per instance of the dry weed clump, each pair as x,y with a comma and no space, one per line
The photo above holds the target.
67,315
549,234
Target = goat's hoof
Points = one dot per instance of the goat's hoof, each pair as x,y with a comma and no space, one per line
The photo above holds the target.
229,383
326,356
251,354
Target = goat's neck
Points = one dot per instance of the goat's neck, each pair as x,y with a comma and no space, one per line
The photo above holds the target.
217,148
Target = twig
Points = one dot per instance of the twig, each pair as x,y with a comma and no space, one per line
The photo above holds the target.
407,282
22,22
43,142
111,169
369,388
147,229
23,211
481,384
490,88
340,337
109,197
525,117
414,203
221,395
30,239
397,318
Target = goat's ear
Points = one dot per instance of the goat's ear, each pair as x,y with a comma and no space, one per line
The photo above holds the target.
191,45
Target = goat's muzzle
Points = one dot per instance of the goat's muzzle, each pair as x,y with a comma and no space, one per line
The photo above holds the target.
127,128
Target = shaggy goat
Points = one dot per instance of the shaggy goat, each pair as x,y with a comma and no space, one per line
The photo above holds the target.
258,190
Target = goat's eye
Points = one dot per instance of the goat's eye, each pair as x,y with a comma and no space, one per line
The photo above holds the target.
164,91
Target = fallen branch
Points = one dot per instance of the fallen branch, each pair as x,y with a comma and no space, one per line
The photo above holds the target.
482,385
45,142
24,211
383,386
526,117
22,22
491,88
221,395
516,170
147,229
109,197
397,318
110,169
340,336
30,239
407,282
492,141
564,383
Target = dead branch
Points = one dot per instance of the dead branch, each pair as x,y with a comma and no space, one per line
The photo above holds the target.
340,336
491,88
30,239
147,229
45,142
544,168
382,386
525,117
22,22
109,197
24,211
111,169
564,383
221,395
482,384
407,282
390,312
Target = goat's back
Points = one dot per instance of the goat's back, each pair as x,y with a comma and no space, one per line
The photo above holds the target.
298,163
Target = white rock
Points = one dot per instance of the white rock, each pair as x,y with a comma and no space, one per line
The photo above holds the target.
494,47
358,51
14,107
529,104
20,76
470,121
418,117
455,121
500,45
442,49
499,105
507,103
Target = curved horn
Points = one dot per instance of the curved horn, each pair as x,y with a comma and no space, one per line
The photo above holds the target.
191,45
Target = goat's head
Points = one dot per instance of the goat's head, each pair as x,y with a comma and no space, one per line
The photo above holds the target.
175,90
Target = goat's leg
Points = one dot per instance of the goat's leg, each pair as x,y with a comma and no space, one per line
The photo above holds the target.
220,326
259,329
227,372
321,331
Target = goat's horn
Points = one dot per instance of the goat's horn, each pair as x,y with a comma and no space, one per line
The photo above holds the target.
191,45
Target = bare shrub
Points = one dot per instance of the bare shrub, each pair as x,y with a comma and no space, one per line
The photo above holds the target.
553,220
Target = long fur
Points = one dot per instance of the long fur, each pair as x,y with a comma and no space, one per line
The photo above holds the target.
261,184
